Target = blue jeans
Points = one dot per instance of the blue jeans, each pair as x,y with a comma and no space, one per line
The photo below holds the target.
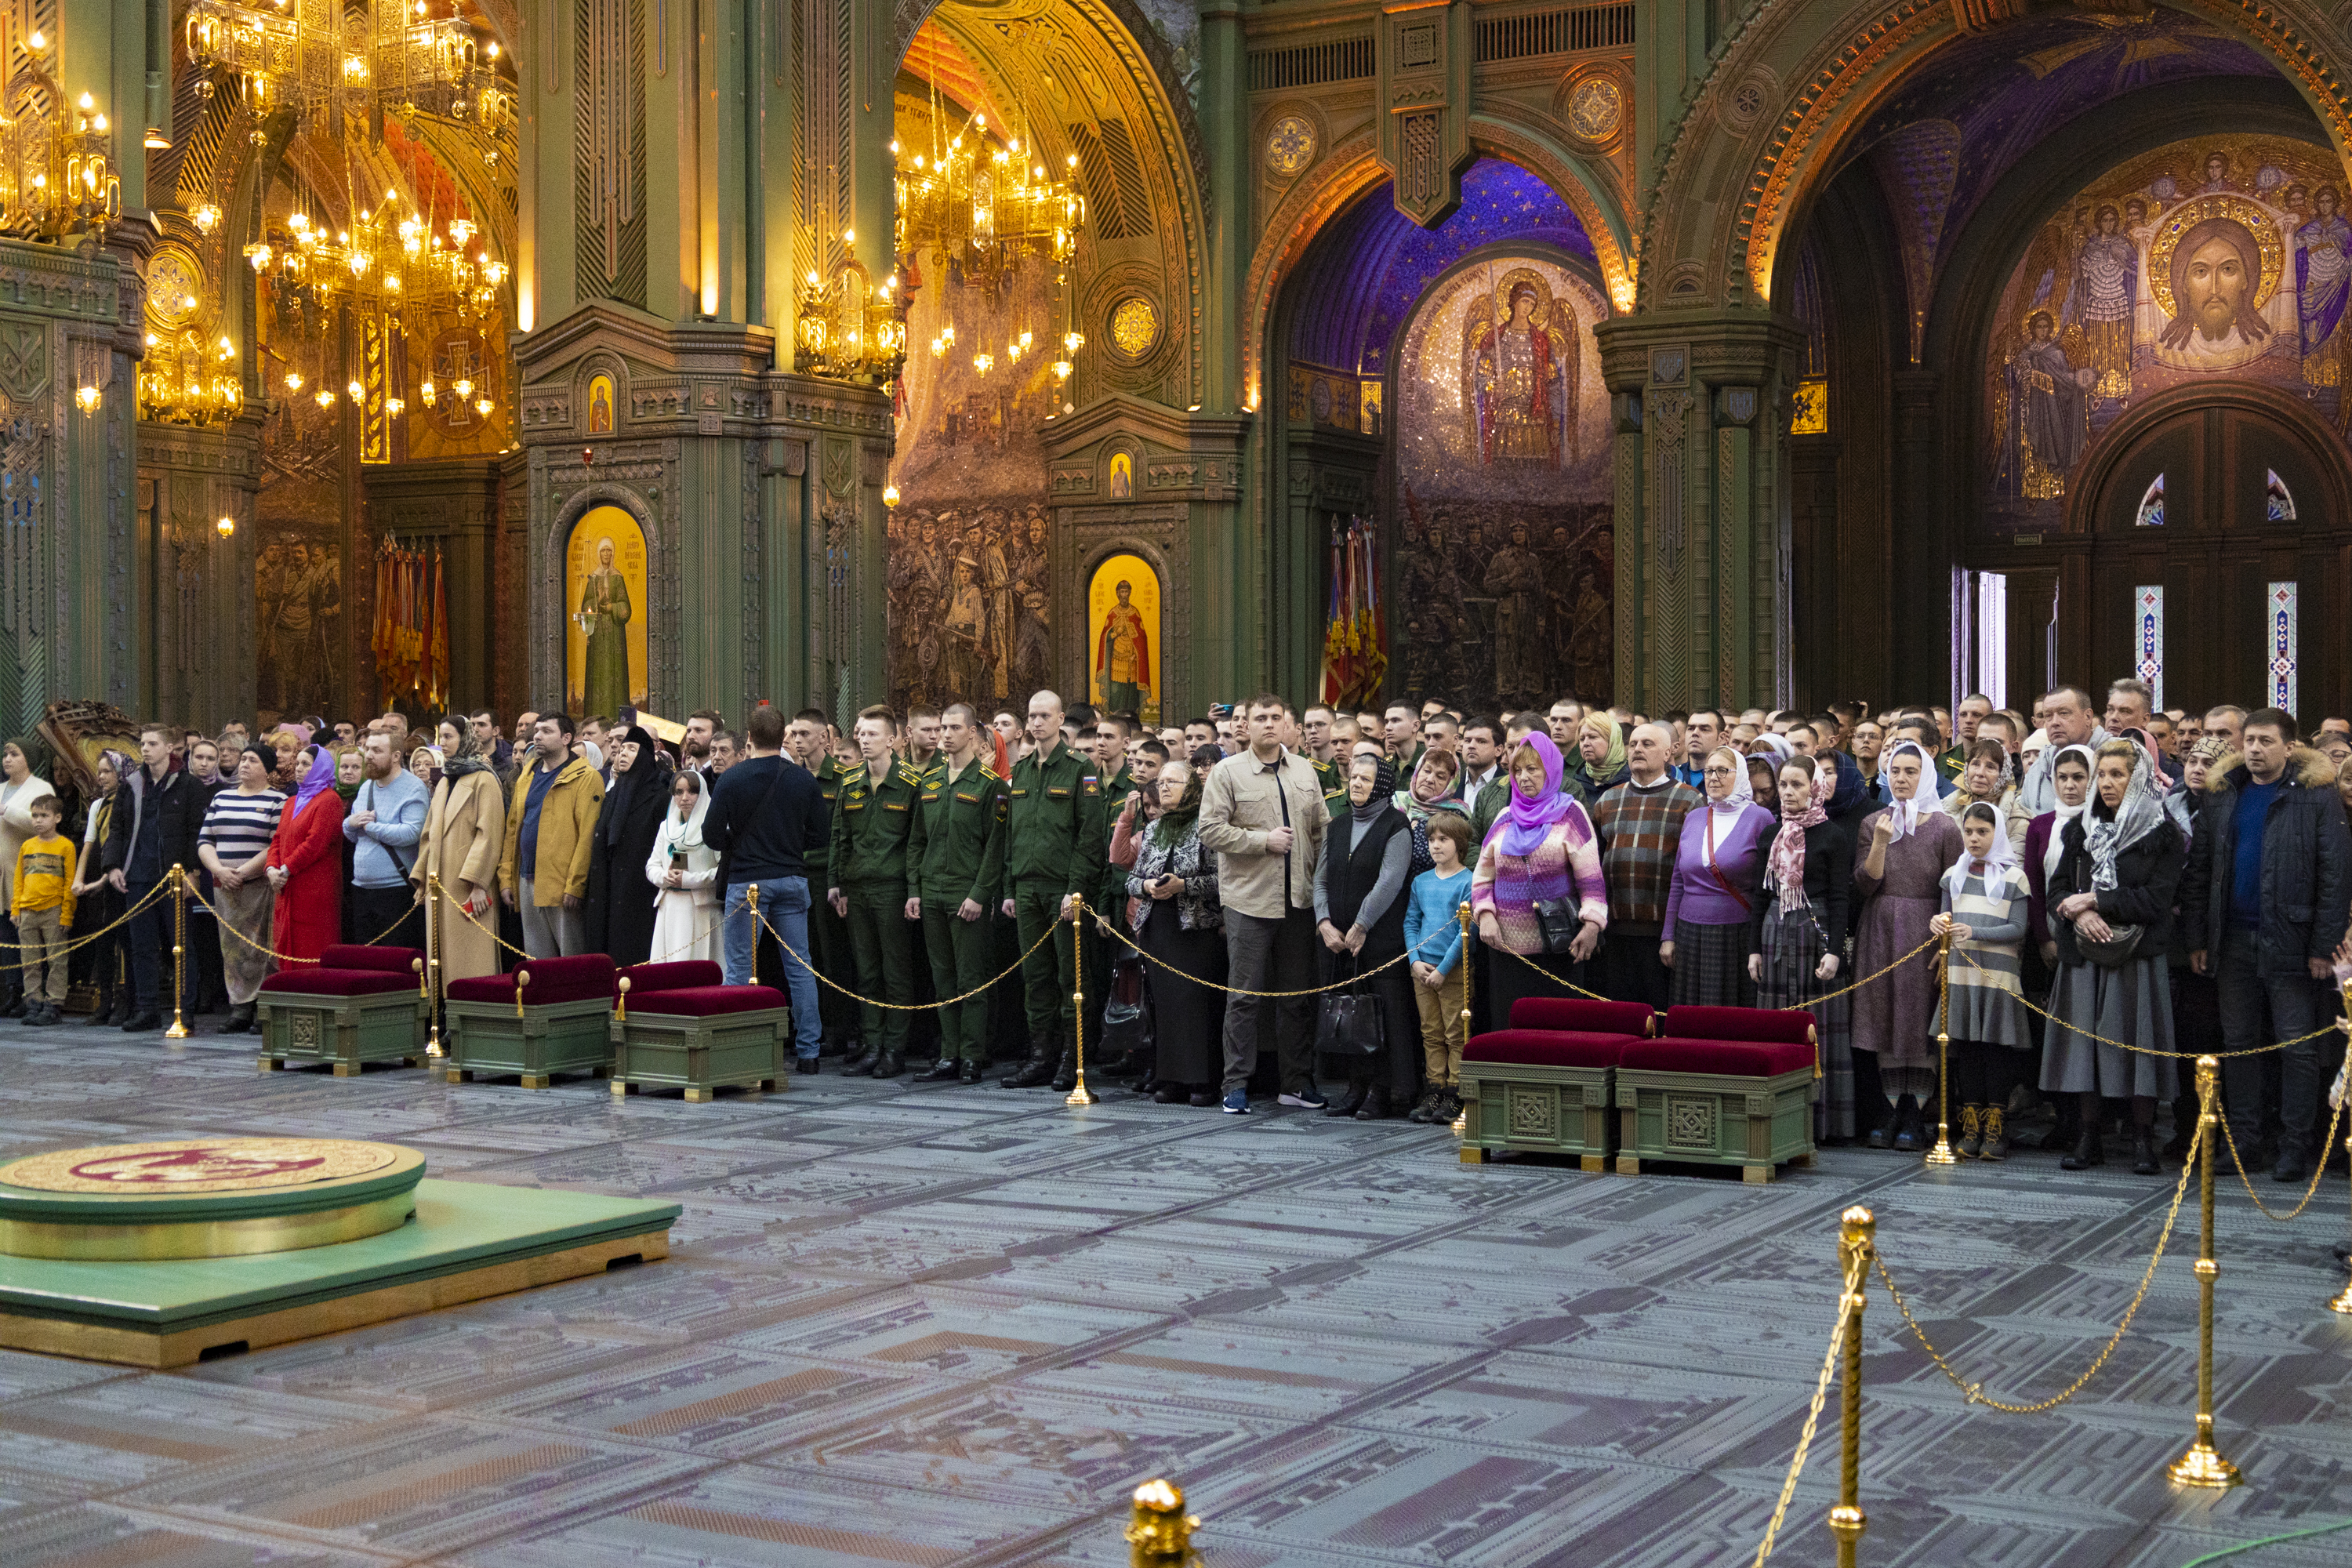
784,904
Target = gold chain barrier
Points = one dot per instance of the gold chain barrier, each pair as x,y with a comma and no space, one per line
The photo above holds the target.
1844,1336
2152,1051
86,938
1974,1392
1943,1152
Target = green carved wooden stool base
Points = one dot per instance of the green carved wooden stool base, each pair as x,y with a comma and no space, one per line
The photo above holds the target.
345,1032
1714,1118
700,1056
1545,1110
485,1039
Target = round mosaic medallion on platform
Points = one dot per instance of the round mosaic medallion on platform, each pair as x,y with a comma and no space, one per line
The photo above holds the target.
203,1197
1289,144
197,1165
1596,107
1134,326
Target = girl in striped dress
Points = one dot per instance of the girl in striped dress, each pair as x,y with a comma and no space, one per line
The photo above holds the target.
1985,900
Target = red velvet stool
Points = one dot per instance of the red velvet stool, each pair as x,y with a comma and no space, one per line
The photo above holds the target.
356,1004
548,1016
676,1027
1720,1085
1546,1083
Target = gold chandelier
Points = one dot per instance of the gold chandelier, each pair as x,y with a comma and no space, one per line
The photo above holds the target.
55,174
184,380
397,57
986,210
849,329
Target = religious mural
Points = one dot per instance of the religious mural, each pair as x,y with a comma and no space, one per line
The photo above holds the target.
969,591
2225,257
1123,631
605,630
1501,425
300,614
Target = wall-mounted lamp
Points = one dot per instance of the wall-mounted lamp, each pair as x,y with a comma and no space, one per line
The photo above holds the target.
226,527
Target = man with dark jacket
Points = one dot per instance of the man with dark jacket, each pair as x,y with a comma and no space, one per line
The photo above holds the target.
155,829
765,815
2269,877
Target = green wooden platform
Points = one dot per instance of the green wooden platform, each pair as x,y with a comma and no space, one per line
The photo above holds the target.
468,1240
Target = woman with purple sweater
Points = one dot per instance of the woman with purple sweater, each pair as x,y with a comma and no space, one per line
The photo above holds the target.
1541,850
1718,879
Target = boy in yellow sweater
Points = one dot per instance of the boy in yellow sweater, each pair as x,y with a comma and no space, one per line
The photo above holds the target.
43,909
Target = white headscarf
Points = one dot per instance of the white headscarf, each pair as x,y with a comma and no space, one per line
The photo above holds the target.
2138,815
1743,794
2064,813
1996,864
1907,814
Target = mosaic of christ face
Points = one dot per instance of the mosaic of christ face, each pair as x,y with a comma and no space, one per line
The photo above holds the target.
2214,286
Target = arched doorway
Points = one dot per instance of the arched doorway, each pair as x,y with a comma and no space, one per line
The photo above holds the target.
2220,512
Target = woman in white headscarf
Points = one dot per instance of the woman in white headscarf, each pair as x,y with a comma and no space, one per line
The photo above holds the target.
1900,858
682,869
2110,907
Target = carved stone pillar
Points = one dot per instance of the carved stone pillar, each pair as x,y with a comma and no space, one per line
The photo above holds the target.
1700,408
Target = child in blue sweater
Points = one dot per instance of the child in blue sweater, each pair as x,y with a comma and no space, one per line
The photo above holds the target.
1432,944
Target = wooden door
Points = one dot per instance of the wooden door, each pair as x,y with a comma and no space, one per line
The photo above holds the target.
2211,498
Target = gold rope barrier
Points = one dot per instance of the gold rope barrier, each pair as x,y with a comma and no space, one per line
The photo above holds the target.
1079,1093
1942,1154
273,953
1871,978
902,1006
1974,1392
1857,1243
84,940
2319,1168
1267,996
2202,1465
2150,1050
179,884
1845,1335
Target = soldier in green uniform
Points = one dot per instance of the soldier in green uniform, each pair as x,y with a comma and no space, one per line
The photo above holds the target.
871,822
1330,762
808,740
1054,842
955,859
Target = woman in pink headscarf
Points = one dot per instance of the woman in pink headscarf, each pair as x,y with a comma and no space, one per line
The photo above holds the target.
306,865
1537,891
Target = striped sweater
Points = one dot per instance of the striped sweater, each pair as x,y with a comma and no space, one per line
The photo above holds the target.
1566,864
1641,831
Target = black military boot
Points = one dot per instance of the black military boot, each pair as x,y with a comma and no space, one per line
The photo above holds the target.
862,1057
1036,1070
890,1064
1065,1071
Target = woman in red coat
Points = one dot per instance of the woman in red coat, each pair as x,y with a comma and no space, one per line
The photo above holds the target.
306,864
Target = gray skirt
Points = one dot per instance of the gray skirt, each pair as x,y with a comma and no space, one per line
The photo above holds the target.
2134,1004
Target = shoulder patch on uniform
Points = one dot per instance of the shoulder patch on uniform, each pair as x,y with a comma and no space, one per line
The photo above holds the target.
1092,786
907,773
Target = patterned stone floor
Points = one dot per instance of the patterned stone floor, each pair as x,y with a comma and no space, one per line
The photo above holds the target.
947,1326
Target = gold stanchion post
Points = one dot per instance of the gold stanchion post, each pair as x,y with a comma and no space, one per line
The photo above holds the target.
432,1052
179,1029
1942,1154
1160,1535
1857,1237
1079,1093
1462,913
2202,1465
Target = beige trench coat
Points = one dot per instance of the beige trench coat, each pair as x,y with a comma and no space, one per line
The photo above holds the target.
465,832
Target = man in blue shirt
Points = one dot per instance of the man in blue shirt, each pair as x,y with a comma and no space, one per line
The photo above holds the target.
2263,903
387,816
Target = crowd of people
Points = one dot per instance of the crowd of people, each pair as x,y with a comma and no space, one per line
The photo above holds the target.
937,890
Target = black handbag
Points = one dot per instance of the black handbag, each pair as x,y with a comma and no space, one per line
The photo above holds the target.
1350,1023
1561,920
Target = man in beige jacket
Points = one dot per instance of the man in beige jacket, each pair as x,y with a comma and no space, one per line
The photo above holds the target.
1262,813
551,829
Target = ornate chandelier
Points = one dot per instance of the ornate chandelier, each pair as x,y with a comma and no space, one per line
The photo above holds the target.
54,175
849,329
184,380
985,210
